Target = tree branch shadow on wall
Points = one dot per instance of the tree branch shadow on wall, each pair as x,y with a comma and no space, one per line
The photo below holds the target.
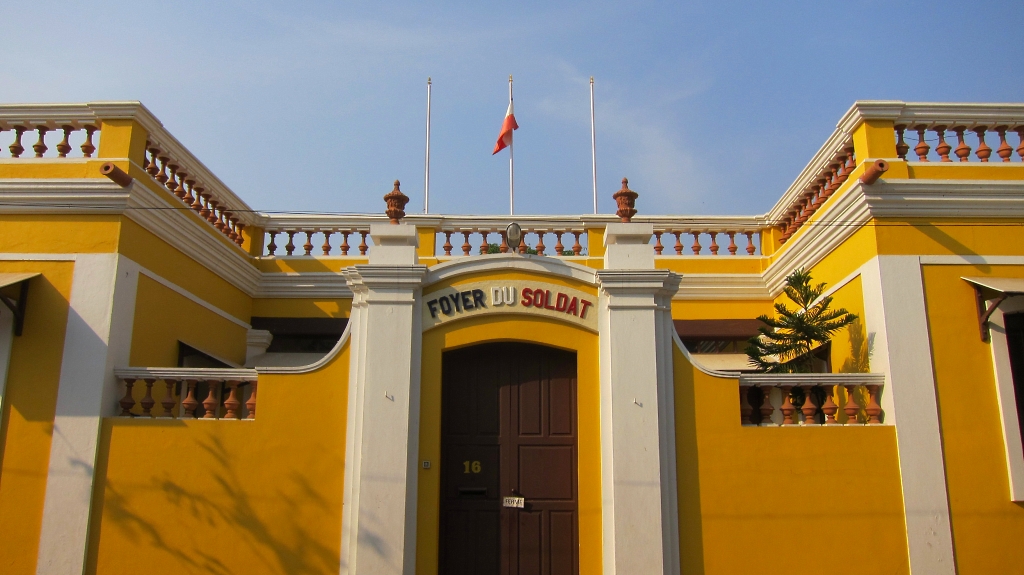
281,547
862,347
950,243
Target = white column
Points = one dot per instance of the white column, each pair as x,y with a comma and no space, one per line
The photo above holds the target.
894,311
98,338
638,456
381,471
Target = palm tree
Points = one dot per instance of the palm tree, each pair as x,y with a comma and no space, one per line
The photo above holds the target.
785,342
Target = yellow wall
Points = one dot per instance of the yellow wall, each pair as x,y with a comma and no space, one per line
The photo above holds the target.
987,526
781,499
58,234
499,328
164,317
944,237
288,307
29,406
261,496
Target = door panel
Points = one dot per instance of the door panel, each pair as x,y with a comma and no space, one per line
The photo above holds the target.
508,426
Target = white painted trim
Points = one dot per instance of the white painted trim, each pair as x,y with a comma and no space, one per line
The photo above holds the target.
6,343
1010,422
776,379
326,285
33,257
98,337
511,262
722,287
894,310
706,371
965,260
182,373
192,297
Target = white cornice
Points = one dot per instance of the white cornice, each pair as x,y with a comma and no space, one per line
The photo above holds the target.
69,196
183,373
511,262
945,198
722,287
324,285
802,379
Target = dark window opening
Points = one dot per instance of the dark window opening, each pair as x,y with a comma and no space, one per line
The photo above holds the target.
1015,344
189,356
301,334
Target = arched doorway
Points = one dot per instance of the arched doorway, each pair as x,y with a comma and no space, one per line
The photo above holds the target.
509,430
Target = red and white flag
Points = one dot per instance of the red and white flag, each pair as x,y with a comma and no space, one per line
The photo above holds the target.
505,137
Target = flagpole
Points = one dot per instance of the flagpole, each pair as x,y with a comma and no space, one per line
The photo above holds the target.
593,143
511,163
426,167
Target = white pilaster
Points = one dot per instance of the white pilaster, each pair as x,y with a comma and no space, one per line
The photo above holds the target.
6,342
639,489
894,310
381,471
98,338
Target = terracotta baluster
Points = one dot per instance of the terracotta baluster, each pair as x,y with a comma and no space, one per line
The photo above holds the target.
695,248
240,239
250,404
127,402
901,147
308,246
873,410
87,147
344,243
984,152
962,151
162,173
290,246
213,205
169,402
843,172
484,246
922,148
16,148
233,234
210,403
154,164
179,188
148,402
787,408
197,204
190,403
814,199
40,146
732,243
204,212
503,248
658,248
64,147
231,404
750,243
1020,134
834,181
540,243
766,408
170,183
1004,151
362,242
784,227
851,408
522,243
829,408
466,246
746,411
220,223
714,245
272,247
447,243
559,248
808,408
679,243
326,248
851,160
577,249
942,149
189,198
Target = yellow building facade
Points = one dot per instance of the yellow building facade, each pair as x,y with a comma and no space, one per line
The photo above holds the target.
190,385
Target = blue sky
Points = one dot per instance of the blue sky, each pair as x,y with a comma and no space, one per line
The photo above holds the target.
708,108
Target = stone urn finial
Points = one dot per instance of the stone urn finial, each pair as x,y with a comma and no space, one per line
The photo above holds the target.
396,201
626,200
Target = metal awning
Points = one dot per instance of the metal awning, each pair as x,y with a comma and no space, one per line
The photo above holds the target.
16,307
996,289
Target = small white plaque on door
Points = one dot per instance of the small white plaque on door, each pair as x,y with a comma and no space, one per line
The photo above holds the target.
519,502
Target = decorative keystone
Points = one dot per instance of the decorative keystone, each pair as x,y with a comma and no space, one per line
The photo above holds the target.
626,200
396,204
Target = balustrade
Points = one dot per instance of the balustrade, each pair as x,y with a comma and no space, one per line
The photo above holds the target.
74,137
184,393
811,399
969,136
